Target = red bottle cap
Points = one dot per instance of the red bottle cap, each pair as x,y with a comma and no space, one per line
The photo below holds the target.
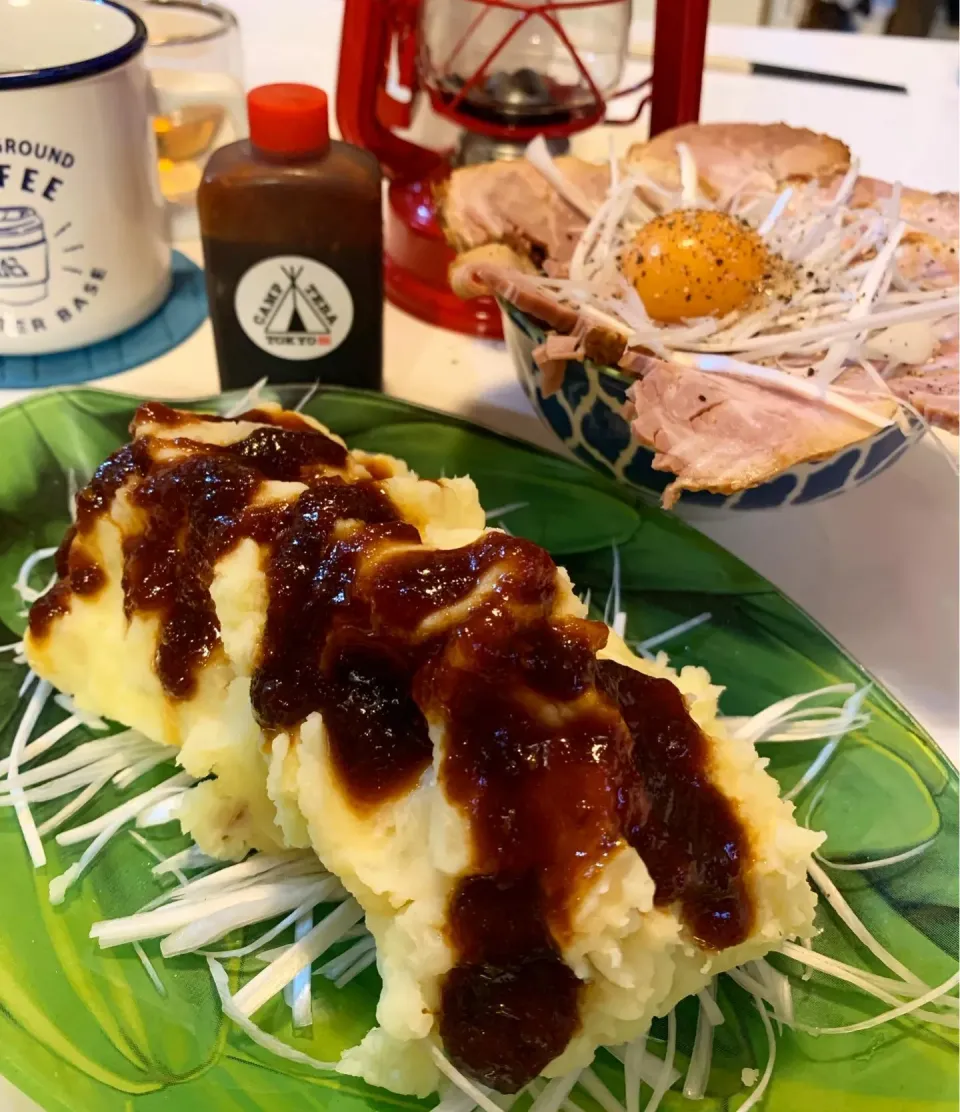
288,119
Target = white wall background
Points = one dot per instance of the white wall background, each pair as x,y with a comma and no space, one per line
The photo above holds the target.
721,11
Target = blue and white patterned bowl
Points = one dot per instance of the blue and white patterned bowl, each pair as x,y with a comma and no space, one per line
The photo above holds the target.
586,414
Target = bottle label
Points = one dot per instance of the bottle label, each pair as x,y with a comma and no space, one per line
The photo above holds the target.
294,307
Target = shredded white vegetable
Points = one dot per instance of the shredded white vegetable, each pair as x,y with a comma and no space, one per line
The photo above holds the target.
701,1057
708,1001
632,1059
76,804
164,811
22,810
146,844
362,962
814,770
300,985
453,1100
340,964
674,631
538,155
91,721
464,1084
256,947
60,885
881,988
222,984
592,1085
555,1093
895,1013
252,905
132,809
794,340
249,870
778,987
248,400
667,1072
72,488
149,968
876,863
187,859
612,606
648,1063
757,1095
22,584
775,212
749,982
307,396
242,908
846,913
268,982
689,193
789,720
502,511
45,741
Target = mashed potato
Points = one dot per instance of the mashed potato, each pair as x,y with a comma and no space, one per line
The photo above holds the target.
403,858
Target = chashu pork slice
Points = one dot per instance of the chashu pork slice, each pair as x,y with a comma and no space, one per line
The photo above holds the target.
553,841
511,203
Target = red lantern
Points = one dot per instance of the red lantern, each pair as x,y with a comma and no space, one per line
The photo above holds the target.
504,71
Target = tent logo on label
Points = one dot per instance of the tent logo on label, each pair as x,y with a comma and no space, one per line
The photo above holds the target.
294,307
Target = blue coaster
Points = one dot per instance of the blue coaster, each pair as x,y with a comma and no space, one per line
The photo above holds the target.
177,318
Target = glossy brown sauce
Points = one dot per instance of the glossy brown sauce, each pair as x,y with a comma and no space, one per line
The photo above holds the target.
553,757
686,831
191,510
78,574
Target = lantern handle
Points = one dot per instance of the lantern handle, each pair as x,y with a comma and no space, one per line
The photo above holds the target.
640,87
365,110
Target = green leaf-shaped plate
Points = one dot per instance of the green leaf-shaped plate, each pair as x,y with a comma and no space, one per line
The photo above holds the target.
83,1031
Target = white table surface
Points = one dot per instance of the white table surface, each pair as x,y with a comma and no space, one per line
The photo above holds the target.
878,566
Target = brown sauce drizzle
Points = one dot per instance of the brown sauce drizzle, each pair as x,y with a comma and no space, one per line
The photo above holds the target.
284,419
157,413
109,477
280,453
553,757
687,832
78,574
191,511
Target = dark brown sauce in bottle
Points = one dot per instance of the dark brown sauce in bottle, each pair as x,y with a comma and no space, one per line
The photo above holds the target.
553,757
292,245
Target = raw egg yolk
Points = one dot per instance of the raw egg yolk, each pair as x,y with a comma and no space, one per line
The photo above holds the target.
695,263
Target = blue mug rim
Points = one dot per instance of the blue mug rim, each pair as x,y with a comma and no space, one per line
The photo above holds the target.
88,67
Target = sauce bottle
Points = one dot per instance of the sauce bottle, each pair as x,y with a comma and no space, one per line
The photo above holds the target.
292,244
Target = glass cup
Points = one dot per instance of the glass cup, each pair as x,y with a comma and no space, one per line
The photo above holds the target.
194,48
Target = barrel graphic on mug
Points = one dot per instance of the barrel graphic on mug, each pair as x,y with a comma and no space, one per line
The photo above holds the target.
24,257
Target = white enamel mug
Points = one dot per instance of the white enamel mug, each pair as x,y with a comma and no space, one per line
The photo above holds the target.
84,239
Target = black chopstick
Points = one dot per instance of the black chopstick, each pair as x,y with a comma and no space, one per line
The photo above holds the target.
762,69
